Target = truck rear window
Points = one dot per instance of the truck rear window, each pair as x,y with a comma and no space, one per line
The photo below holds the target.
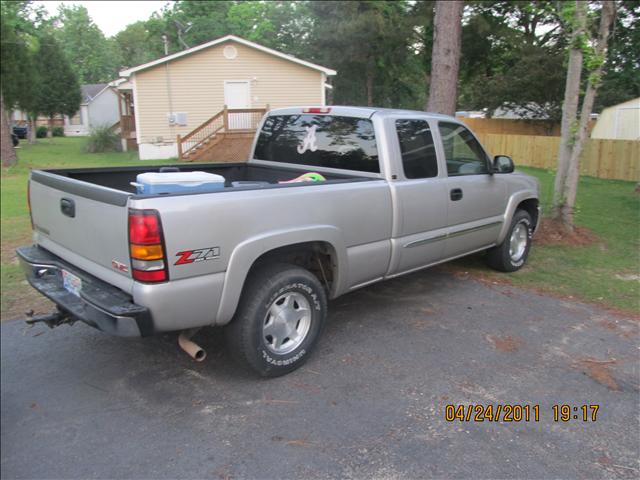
319,140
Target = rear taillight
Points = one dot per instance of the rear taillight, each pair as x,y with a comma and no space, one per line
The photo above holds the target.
146,247
317,110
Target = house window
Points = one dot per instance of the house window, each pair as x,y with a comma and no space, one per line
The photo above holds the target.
76,119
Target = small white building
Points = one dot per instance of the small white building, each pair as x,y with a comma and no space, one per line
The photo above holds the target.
619,122
99,107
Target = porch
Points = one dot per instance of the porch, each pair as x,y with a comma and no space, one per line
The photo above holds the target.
226,136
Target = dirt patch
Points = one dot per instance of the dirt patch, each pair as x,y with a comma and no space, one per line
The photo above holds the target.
551,232
506,344
599,371
21,300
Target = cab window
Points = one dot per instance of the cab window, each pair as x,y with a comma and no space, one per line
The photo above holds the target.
462,151
418,151
319,140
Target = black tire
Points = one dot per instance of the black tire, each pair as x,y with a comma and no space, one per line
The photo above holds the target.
499,257
14,140
245,335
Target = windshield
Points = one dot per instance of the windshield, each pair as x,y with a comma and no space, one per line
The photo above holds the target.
319,140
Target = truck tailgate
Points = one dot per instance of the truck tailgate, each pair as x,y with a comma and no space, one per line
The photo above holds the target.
83,224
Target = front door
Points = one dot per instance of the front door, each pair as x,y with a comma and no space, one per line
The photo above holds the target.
238,96
476,199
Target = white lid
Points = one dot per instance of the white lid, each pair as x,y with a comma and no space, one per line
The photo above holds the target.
158,178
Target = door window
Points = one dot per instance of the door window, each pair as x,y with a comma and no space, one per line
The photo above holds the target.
463,152
417,148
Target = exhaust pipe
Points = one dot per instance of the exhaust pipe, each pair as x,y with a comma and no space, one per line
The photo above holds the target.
194,350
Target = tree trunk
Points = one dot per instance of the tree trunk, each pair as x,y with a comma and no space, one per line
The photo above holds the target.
7,152
445,57
569,108
573,175
32,129
370,78
50,127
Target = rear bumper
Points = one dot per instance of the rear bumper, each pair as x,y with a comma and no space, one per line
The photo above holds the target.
98,304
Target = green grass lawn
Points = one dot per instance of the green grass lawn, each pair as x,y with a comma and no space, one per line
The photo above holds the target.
17,297
605,272
602,273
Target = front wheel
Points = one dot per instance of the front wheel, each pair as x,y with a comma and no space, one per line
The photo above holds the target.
279,320
512,253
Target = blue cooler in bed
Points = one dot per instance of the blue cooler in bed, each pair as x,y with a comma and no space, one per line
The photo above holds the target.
153,183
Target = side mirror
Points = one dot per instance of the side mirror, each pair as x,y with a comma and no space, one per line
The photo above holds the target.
502,164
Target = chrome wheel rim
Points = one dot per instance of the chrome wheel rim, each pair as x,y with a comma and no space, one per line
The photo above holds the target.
286,323
518,242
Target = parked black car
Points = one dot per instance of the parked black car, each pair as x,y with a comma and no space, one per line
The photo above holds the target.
20,131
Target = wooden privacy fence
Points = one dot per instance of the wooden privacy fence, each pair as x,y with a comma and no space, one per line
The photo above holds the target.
508,126
613,159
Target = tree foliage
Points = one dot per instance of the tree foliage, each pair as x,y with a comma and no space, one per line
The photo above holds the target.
58,91
92,57
621,80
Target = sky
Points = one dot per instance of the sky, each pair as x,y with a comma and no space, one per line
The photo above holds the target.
111,16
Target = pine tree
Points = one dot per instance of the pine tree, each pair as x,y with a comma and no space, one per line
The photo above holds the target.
58,90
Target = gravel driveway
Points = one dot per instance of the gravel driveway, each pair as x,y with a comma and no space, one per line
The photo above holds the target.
370,403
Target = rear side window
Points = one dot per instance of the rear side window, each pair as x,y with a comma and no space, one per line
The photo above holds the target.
463,152
418,151
319,140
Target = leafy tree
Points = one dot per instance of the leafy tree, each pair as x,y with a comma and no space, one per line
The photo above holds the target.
93,58
366,42
513,58
586,54
133,45
58,90
621,81
17,78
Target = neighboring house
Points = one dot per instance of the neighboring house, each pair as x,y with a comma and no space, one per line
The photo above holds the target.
18,117
176,94
99,107
619,122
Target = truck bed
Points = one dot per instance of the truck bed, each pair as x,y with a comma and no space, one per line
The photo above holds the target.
120,178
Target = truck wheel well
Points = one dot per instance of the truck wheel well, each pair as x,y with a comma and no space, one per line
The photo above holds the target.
531,207
317,257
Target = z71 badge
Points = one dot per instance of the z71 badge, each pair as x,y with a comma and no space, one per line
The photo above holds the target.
191,256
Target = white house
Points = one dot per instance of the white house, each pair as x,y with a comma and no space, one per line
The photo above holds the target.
99,107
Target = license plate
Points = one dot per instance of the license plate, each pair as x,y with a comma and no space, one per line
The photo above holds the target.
72,283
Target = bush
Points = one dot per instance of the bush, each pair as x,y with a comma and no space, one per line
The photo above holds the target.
103,139
58,131
41,132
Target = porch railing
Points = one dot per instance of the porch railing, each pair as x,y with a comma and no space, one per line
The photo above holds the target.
226,120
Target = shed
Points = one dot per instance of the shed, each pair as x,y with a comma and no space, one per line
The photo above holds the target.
227,83
619,122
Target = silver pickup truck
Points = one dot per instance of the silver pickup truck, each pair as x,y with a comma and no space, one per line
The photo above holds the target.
395,191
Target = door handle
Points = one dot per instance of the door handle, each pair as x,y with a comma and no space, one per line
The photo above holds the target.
456,194
68,207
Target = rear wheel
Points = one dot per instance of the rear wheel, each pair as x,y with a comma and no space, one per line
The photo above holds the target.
279,320
512,253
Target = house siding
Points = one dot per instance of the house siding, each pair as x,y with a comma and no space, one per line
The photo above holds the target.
103,110
619,122
197,81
